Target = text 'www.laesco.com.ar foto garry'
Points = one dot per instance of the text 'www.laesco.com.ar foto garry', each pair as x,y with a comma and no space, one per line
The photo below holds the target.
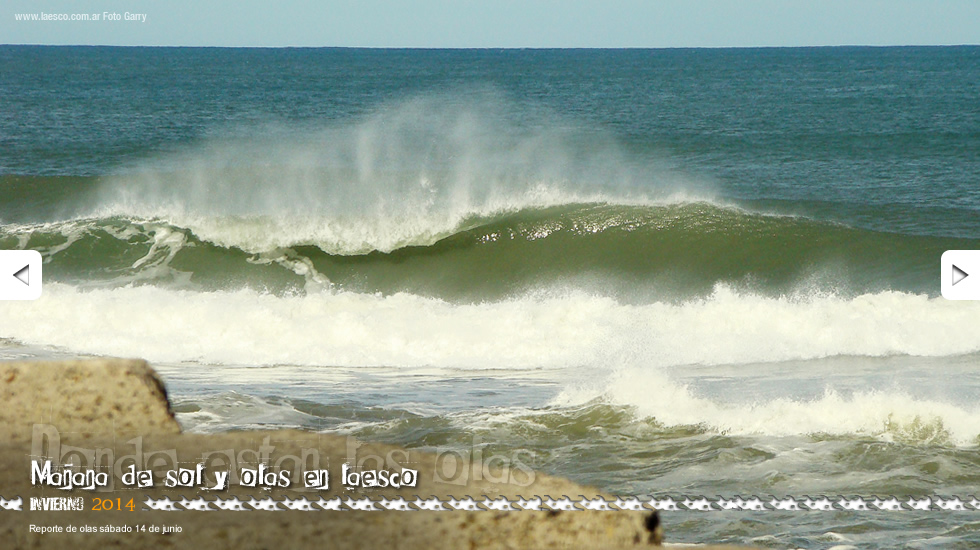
101,16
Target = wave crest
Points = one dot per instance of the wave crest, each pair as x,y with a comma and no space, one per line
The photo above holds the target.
635,252
410,174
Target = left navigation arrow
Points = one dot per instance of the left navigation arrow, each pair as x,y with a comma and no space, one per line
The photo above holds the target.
24,275
20,274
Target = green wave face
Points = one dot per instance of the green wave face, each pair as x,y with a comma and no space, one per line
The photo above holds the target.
672,251
633,252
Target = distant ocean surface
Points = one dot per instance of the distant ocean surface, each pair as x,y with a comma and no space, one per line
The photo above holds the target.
660,272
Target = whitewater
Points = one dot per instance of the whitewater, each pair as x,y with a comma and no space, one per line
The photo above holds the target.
662,273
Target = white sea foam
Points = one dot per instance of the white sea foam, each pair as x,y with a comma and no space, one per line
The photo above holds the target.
410,174
566,329
891,415
628,345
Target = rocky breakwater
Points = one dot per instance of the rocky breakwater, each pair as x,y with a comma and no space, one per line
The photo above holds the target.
92,457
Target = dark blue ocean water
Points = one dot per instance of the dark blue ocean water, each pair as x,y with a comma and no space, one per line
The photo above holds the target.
831,128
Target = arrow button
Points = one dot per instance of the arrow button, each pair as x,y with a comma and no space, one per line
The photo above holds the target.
24,275
20,275
958,274
956,266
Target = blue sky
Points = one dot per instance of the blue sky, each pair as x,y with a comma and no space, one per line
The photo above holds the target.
501,23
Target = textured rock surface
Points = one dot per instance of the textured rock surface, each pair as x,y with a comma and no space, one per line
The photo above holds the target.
108,414
99,397
343,529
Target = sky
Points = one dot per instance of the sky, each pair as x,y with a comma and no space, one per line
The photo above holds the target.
497,24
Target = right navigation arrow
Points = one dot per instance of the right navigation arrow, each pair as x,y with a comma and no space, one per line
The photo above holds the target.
959,274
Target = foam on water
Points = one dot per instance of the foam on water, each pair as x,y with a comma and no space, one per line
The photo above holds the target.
410,174
892,415
559,329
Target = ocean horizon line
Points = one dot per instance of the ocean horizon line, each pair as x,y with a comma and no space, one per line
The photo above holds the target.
508,48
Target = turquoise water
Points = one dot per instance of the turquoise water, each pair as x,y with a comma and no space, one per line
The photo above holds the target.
665,272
